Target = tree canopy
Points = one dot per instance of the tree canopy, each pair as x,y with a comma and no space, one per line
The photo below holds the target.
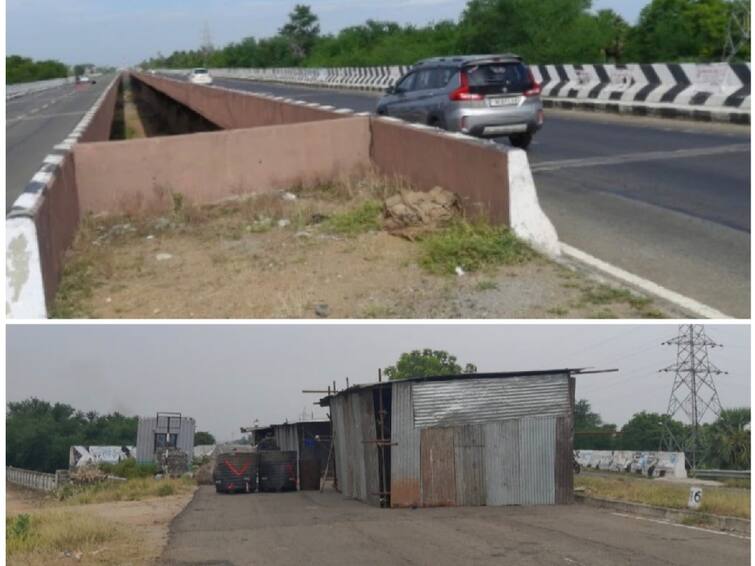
426,363
24,70
39,434
543,32
203,438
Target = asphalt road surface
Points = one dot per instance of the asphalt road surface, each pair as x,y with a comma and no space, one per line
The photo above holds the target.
36,122
666,200
325,528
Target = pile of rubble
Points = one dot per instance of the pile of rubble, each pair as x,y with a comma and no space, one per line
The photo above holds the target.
411,214
87,475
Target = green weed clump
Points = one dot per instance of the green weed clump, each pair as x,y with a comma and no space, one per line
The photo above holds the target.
472,246
362,219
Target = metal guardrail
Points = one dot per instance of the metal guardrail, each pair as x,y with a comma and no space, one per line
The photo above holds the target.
724,474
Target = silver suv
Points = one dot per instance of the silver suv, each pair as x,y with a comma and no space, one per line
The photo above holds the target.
480,95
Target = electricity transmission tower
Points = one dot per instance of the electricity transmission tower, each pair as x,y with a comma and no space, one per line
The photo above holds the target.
693,395
206,47
737,30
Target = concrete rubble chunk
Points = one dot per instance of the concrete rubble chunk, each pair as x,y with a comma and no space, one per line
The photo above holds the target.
412,213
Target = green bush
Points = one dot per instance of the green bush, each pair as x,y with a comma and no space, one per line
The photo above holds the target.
129,469
354,222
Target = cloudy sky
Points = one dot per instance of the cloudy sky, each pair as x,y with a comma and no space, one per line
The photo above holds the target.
226,376
115,32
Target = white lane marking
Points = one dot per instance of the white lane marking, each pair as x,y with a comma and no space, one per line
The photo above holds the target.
686,303
635,157
662,522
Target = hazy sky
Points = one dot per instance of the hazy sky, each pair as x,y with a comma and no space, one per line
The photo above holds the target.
120,32
225,376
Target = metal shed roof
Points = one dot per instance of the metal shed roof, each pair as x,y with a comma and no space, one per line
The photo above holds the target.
325,401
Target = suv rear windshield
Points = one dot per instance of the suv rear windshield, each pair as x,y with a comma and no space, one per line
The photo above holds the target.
490,78
200,71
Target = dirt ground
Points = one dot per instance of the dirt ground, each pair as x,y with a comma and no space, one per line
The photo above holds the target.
264,259
144,525
314,528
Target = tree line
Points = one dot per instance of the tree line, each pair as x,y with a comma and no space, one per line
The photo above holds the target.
39,434
24,70
543,32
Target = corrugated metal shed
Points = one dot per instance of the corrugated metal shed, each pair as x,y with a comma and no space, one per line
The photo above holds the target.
486,439
145,437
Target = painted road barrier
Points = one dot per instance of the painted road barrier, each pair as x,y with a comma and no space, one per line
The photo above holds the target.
705,91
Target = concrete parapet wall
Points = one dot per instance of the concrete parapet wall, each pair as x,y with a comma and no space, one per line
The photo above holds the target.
20,89
140,175
475,170
232,109
647,463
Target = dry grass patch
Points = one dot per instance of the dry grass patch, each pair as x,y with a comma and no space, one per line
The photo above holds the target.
50,536
716,500
318,251
130,490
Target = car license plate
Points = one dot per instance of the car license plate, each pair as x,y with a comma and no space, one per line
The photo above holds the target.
503,101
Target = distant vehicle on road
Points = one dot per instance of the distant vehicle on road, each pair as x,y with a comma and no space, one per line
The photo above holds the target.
479,95
84,79
200,76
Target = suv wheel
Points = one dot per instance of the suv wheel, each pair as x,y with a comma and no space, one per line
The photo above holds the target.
522,141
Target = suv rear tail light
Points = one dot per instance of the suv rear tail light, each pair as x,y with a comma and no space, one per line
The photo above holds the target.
462,93
534,89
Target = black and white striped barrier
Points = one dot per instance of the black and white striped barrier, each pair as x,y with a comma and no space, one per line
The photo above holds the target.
714,91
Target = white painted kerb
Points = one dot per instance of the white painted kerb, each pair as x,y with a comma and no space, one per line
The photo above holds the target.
24,290
527,219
